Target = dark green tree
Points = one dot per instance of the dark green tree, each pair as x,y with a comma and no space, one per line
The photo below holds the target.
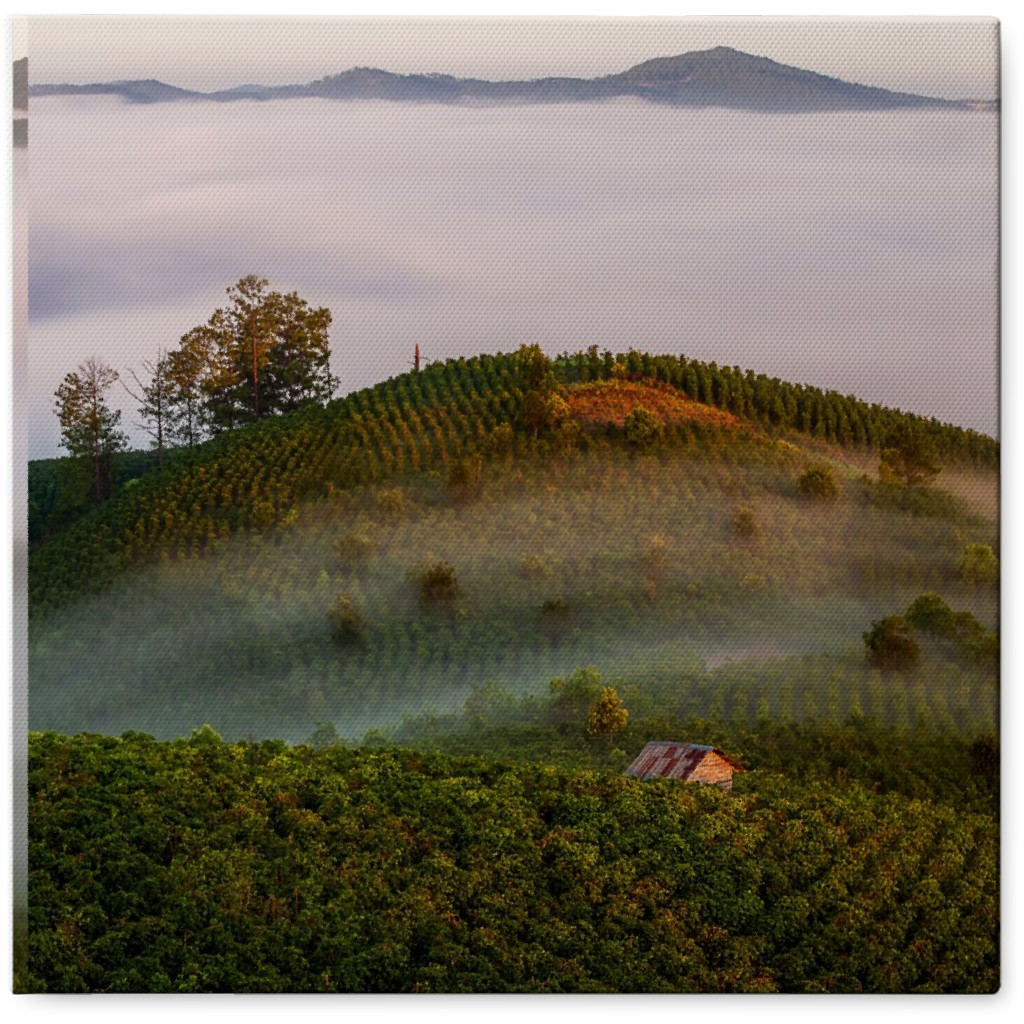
264,353
643,428
890,644
908,457
89,427
818,482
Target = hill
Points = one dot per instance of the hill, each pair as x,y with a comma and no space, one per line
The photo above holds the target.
719,77
426,588
280,575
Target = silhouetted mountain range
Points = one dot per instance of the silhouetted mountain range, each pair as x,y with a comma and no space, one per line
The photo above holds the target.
720,77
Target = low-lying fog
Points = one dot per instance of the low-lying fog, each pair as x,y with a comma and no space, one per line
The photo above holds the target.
852,251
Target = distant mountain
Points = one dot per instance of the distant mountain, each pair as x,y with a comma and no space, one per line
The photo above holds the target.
720,77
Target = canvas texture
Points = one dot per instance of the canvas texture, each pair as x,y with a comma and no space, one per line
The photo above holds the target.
506,505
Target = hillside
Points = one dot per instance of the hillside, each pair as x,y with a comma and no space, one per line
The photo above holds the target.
396,615
296,557
718,77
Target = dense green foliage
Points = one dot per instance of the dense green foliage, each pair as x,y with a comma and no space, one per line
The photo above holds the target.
203,866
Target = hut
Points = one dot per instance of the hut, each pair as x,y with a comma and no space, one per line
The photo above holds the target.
690,762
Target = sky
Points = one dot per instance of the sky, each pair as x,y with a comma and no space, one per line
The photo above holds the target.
946,58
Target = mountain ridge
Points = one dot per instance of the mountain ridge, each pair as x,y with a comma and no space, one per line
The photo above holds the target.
717,77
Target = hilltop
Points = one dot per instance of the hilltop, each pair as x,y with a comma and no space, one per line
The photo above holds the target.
718,77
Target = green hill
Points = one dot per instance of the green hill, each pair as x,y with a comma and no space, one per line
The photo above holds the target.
275,577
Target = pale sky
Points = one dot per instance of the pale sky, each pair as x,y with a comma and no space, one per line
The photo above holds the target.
952,57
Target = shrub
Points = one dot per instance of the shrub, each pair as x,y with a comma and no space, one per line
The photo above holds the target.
354,546
439,586
978,564
745,524
643,427
818,482
348,626
607,715
392,501
890,644
533,567
931,614
465,479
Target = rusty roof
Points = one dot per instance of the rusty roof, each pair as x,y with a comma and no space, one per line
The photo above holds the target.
663,759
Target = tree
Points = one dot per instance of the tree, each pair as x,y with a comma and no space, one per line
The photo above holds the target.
607,716
890,644
88,426
187,369
348,626
818,482
643,427
264,353
978,564
439,586
156,399
908,457
931,614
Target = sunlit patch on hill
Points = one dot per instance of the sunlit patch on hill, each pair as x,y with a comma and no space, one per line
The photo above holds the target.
612,401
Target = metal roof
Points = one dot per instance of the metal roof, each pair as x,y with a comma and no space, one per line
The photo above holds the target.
663,759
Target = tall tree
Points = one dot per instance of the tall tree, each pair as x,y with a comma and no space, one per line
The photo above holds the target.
88,426
155,398
264,353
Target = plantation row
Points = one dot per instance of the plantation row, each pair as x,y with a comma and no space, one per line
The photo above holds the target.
202,866
252,479
840,419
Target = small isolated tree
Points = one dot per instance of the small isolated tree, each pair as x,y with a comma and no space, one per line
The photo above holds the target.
607,715
439,586
89,427
643,428
745,524
978,564
465,479
325,734
890,644
818,482
908,457
348,626
355,546
572,695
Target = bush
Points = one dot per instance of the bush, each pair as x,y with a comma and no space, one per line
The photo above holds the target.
354,546
465,479
978,564
890,645
818,482
643,427
348,626
931,614
533,567
439,586
745,524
